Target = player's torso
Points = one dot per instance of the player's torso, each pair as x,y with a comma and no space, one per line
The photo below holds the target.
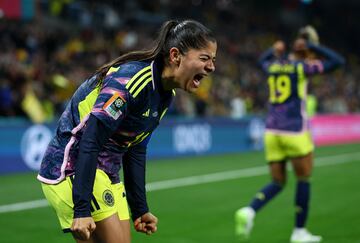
287,91
130,127
143,120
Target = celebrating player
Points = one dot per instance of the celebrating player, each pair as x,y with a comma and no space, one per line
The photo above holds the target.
287,135
108,124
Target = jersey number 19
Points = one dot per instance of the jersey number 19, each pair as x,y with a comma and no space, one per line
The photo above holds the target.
279,88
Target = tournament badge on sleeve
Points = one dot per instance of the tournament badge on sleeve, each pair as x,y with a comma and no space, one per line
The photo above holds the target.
114,106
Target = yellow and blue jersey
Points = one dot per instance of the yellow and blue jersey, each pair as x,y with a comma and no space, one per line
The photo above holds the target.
130,101
287,86
287,91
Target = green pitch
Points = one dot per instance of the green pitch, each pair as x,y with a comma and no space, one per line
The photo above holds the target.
200,209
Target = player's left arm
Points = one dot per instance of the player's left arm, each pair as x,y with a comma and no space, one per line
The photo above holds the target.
147,223
265,58
278,50
134,166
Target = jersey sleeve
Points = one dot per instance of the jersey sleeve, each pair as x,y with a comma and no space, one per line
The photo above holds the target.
265,59
134,163
94,137
113,102
332,60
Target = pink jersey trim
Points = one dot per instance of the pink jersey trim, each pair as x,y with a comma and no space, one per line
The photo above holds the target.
66,155
152,75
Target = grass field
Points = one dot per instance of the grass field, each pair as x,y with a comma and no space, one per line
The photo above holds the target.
199,208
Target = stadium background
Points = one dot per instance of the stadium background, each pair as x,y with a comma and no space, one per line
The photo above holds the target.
47,48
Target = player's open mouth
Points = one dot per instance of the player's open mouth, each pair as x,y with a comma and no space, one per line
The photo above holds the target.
197,79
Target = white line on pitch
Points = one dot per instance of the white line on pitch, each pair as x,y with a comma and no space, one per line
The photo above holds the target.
242,173
196,180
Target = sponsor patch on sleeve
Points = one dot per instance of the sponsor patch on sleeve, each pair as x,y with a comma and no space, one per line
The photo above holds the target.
114,106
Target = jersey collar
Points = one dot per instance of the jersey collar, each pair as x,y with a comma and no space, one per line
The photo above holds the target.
156,68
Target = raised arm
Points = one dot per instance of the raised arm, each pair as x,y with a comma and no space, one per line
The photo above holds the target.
276,51
332,60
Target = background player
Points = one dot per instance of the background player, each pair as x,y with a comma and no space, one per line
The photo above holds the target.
287,134
107,125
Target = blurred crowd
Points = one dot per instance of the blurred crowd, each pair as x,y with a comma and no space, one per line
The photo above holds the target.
44,59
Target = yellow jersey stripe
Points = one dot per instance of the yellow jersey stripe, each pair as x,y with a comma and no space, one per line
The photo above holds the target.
87,104
142,86
301,81
139,138
113,69
163,113
136,84
138,74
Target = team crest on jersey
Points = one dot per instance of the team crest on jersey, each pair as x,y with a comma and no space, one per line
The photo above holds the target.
108,198
114,106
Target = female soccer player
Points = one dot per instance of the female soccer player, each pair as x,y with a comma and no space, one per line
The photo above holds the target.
287,134
108,124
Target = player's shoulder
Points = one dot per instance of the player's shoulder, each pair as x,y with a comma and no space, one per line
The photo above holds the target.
140,79
130,69
127,70
120,76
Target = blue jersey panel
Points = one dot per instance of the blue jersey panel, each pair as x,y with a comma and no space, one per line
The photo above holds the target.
129,102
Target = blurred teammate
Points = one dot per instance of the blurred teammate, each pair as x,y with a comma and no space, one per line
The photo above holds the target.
108,124
287,135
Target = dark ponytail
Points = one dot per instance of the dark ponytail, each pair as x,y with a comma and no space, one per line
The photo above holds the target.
184,35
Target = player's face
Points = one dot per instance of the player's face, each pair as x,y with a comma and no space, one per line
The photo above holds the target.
194,65
300,49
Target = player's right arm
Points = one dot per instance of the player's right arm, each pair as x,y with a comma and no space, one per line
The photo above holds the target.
147,223
107,113
82,228
94,137
332,60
